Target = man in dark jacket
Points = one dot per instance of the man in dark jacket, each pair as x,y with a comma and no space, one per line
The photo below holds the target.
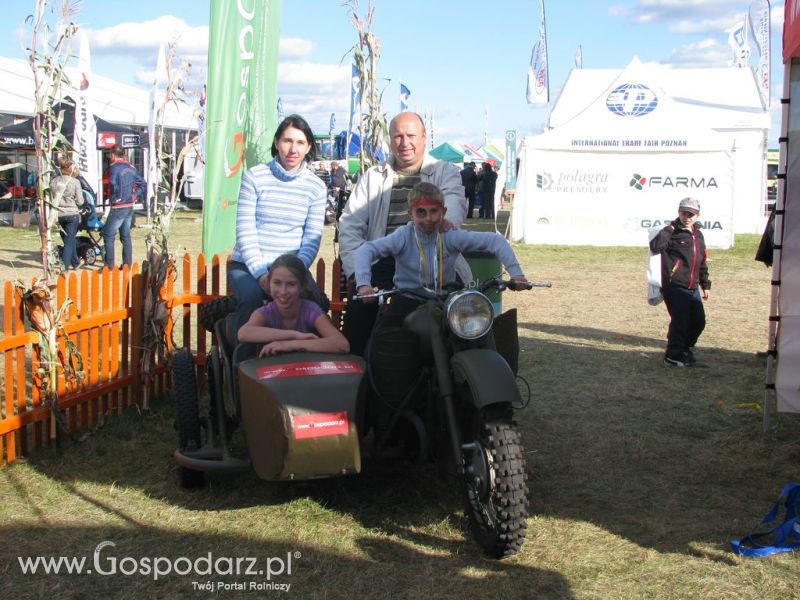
468,179
487,184
684,281
125,186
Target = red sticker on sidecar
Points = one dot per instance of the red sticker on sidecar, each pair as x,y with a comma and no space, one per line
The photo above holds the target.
302,369
320,425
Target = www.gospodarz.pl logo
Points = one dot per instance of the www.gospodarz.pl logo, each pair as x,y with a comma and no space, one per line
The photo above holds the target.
104,563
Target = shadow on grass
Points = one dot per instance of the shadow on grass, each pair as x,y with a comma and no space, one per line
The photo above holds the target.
21,259
377,567
672,459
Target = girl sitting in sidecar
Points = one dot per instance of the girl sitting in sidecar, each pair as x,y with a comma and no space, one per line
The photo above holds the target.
290,323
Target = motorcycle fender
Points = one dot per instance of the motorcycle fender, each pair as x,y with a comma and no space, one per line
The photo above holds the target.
488,375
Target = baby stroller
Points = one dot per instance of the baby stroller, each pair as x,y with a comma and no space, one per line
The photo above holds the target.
88,245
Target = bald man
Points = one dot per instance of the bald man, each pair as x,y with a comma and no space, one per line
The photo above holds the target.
379,205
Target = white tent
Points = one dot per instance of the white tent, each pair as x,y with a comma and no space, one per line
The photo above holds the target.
625,147
113,101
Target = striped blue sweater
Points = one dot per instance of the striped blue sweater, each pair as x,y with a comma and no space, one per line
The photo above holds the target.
278,213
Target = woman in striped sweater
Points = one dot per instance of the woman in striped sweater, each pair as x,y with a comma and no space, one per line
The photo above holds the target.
281,210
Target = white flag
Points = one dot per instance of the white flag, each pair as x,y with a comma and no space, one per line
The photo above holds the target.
538,84
84,139
153,172
579,58
737,40
760,26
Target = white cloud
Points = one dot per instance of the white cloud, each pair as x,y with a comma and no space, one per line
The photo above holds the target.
705,53
293,48
143,38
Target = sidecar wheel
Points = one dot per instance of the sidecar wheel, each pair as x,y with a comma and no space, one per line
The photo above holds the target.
496,492
187,413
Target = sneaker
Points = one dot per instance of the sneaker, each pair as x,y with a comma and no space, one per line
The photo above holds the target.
674,362
689,359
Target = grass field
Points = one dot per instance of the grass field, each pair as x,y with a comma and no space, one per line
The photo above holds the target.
639,474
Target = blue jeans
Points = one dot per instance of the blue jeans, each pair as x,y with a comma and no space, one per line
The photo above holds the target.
118,218
69,231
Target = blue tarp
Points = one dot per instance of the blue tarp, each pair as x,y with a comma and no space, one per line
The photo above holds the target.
339,144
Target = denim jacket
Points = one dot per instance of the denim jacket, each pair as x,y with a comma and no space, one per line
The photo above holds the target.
125,183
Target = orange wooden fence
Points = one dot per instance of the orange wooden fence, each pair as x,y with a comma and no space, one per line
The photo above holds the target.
104,321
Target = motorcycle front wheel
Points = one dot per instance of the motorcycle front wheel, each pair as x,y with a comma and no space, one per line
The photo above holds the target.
496,491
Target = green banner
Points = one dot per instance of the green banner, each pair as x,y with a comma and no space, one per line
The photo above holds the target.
240,119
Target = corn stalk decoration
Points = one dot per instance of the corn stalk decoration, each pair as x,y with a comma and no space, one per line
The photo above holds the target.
48,323
159,263
366,53
47,56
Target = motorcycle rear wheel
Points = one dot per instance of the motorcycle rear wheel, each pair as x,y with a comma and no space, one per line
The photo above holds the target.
187,413
212,311
496,490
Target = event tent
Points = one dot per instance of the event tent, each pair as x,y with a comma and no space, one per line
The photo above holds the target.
447,152
783,359
113,101
21,134
624,146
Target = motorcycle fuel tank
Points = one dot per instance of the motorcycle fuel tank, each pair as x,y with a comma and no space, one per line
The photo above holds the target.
300,414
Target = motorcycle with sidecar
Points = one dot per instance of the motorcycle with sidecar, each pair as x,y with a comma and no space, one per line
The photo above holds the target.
434,388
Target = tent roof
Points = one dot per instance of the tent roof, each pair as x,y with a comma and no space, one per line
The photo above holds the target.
720,98
631,113
448,152
113,101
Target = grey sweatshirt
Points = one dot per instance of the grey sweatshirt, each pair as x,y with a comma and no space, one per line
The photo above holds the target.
415,268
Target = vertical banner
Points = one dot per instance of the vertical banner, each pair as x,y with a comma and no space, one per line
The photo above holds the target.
153,131
737,40
759,23
240,114
84,140
510,163
538,78
355,100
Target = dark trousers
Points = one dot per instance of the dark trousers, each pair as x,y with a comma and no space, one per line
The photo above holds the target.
688,319
470,195
359,318
69,231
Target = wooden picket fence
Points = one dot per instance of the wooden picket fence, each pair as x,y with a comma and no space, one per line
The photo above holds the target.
104,321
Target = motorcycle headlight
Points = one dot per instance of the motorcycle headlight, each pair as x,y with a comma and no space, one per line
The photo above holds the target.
469,314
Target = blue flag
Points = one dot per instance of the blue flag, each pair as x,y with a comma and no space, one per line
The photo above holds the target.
280,110
404,94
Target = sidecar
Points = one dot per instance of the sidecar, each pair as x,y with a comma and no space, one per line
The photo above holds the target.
299,413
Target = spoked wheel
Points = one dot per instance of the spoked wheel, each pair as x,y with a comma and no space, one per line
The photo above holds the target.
187,413
90,256
496,492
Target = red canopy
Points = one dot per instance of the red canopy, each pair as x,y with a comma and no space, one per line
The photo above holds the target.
791,29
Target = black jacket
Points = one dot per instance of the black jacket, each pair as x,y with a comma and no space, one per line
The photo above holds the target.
683,256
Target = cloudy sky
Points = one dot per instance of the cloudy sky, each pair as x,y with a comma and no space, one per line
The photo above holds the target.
461,60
